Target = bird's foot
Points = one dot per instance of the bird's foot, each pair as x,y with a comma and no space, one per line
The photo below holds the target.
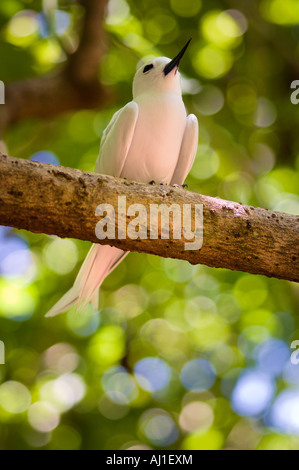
180,185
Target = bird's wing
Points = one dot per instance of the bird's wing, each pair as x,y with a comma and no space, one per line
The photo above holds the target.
187,152
116,140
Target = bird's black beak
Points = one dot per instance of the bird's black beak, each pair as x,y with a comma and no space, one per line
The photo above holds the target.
175,62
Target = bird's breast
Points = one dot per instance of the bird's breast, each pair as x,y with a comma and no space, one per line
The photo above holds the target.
157,139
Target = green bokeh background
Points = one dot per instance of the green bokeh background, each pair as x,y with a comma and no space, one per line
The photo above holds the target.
69,382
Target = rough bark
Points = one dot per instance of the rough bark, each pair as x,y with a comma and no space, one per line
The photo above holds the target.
62,201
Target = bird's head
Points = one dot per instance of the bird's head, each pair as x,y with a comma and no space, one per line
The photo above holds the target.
159,74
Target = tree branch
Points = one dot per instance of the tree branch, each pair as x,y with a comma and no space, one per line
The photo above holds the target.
83,65
75,86
62,201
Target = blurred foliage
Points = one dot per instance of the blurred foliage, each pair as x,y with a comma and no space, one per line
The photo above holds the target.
179,356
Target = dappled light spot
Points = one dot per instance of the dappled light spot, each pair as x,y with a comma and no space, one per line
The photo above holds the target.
36,439
85,323
250,338
62,21
288,204
198,375
253,393
284,414
15,398
223,358
131,300
118,11
206,163
265,113
242,96
179,311
190,86
210,440
152,374
47,53
229,380
272,356
237,186
138,447
15,257
282,13
17,302
178,271
244,435
186,9
43,417
158,427
107,346
268,191
119,385
212,62
202,284
251,291
65,437
221,29
64,392
211,330
209,100
194,310
154,332
196,416
61,358
61,255
22,28
18,263
11,243
228,307
45,156
161,28
241,21
263,158
136,42
255,317
291,371
112,410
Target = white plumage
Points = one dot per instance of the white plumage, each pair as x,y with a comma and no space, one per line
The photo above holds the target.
151,138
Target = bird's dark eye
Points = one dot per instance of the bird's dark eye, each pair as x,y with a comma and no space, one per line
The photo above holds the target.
147,68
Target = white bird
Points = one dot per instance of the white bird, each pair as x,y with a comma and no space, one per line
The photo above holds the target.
149,139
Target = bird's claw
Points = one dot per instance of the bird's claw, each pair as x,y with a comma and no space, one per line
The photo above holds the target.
180,185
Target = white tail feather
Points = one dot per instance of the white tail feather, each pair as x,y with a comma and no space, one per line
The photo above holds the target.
66,301
99,262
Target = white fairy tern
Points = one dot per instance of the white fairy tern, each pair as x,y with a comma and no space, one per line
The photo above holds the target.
149,139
